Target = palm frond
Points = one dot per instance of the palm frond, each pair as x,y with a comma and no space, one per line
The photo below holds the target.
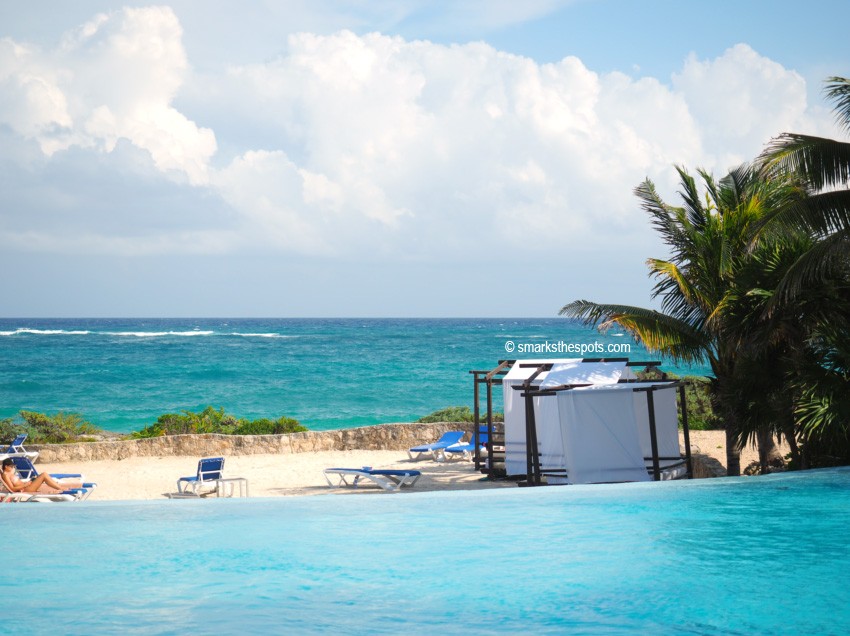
662,217
734,188
658,332
671,271
826,259
824,163
820,214
838,91
696,212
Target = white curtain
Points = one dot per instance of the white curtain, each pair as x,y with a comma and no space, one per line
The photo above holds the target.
600,436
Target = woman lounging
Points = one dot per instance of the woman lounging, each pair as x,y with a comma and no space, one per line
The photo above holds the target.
43,483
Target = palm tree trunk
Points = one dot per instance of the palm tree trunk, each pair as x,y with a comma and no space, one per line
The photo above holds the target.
796,458
769,454
727,416
733,454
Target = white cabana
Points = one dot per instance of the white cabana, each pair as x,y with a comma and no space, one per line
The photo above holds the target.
563,371
594,433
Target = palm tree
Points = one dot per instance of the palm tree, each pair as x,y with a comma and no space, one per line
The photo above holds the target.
824,166
771,346
699,286
823,376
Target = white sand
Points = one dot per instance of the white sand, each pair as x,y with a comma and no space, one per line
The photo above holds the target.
301,473
267,475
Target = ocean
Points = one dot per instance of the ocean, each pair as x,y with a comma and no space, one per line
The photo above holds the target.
121,374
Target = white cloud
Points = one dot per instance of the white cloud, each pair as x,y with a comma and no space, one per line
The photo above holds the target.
444,143
373,146
740,100
31,101
114,77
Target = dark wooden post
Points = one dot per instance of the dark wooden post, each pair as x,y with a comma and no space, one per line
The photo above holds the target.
686,431
653,437
532,458
476,413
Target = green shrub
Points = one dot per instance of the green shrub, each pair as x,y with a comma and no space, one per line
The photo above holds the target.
701,415
9,431
212,420
457,414
269,427
61,428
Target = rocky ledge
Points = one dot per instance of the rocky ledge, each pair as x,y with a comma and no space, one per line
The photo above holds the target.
398,437
379,437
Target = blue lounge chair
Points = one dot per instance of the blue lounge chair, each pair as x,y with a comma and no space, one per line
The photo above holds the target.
210,470
17,448
389,479
448,439
27,471
466,451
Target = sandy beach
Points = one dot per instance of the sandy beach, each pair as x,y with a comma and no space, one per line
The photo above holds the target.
300,474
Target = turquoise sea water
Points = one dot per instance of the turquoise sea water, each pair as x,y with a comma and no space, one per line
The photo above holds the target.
122,374
759,555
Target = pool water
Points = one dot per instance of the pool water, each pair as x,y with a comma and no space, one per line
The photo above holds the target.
733,556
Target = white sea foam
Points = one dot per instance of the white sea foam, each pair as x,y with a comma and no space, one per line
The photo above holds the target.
262,335
137,334
44,332
157,334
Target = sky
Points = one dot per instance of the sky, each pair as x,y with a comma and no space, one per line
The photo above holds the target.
313,158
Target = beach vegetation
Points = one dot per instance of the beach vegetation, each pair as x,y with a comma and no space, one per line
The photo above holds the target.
815,290
212,420
61,428
9,430
266,426
456,414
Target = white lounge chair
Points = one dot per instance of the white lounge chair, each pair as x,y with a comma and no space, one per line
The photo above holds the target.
390,480
35,497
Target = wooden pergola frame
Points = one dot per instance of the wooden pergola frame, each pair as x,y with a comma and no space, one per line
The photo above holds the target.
534,473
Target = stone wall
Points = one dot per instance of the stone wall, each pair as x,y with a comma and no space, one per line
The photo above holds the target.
379,437
705,466
398,437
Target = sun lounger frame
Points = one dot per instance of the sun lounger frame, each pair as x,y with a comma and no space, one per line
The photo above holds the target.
435,449
391,480
16,448
36,497
210,471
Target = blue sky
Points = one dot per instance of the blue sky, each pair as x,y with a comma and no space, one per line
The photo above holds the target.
354,158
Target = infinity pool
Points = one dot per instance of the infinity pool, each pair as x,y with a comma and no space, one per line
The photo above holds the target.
734,556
